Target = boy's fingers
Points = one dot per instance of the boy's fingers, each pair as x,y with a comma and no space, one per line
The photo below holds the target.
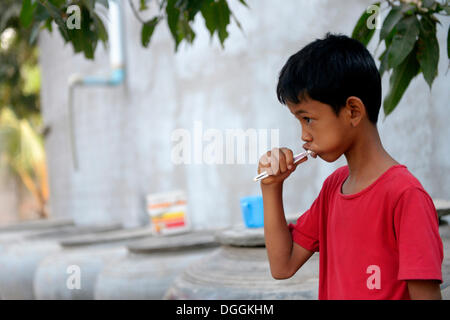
275,160
289,157
278,162
264,161
282,162
300,161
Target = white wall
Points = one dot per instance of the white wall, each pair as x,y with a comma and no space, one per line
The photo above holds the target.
124,133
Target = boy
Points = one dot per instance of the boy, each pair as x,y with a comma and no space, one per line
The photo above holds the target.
375,226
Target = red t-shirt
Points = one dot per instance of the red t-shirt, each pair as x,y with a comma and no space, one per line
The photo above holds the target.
373,240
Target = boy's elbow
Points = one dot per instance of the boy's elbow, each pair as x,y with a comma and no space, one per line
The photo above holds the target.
280,275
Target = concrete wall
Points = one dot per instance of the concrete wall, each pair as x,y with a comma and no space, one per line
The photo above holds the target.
124,134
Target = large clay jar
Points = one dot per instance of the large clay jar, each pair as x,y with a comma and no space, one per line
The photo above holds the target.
71,273
239,269
151,265
18,231
41,224
19,259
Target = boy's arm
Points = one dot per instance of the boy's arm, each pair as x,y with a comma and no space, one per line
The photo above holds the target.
424,290
285,256
419,244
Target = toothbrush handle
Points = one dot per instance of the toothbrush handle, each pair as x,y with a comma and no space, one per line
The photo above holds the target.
297,158
300,156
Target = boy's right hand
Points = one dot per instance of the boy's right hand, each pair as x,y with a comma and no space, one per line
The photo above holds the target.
279,164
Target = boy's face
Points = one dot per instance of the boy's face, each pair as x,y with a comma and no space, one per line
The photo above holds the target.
328,135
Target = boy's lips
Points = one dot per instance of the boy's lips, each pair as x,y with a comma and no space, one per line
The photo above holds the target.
313,154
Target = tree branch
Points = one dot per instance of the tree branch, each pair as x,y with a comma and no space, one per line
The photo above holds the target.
136,14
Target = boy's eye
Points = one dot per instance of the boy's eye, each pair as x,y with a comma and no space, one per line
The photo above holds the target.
308,120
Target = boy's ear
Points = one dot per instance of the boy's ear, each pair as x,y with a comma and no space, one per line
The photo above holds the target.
355,110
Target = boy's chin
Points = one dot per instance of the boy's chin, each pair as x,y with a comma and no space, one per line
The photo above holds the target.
328,157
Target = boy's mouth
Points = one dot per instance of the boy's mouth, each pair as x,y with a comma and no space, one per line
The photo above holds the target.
313,154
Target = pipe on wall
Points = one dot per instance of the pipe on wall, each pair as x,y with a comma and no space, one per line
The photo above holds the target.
115,78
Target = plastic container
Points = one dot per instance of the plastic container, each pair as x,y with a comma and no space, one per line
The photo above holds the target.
252,211
168,212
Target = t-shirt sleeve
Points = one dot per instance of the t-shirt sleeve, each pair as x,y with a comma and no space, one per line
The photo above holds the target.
306,230
417,230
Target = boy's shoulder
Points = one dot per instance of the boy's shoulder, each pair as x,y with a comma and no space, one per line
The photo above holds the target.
394,180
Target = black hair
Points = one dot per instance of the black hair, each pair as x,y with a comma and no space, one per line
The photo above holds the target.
330,70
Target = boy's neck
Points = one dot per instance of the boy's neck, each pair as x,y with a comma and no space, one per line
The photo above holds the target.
367,159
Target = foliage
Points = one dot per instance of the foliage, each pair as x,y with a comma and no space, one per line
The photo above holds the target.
21,146
22,150
411,45
178,14
19,71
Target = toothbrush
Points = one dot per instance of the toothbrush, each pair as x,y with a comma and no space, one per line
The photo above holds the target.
297,158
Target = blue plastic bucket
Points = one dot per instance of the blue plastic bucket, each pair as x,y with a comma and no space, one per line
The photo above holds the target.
253,211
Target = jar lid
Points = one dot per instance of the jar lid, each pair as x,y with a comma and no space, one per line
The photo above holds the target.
70,231
242,237
107,237
41,224
189,240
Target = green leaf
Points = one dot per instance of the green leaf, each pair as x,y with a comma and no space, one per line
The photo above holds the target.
217,17
399,81
404,40
77,40
27,12
207,11
223,12
100,28
41,13
388,39
48,25
147,31
428,50
391,20
193,7
244,3
56,14
185,29
383,62
84,40
173,15
362,32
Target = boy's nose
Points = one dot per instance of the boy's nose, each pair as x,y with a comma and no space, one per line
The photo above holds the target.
306,136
